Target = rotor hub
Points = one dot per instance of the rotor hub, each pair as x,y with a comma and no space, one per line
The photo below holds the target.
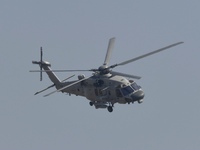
104,69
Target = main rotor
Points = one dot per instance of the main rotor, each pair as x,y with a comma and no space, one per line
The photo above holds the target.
105,68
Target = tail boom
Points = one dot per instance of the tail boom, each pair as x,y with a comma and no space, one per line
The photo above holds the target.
46,66
51,74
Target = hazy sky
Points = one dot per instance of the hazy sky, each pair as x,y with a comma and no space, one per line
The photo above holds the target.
74,35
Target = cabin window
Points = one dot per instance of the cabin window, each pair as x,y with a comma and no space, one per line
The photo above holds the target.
118,93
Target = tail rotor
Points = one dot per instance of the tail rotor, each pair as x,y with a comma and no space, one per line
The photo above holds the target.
40,63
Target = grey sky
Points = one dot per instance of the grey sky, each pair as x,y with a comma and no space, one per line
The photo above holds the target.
74,35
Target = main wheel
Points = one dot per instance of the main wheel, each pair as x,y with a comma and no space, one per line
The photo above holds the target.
110,109
91,103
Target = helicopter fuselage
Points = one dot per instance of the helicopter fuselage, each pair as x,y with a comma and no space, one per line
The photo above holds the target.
106,88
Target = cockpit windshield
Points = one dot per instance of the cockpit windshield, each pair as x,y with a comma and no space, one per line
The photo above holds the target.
127,90
135,86
130,89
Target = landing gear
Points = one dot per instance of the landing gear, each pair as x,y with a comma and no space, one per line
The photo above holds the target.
110,109
98,105
91,103
140,101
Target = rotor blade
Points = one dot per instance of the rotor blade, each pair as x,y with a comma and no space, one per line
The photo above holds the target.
126,75
67,86
60,70
41,56
53,85
145,55
109,51
45,89
68,78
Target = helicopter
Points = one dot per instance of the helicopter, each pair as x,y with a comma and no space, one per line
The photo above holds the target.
104,87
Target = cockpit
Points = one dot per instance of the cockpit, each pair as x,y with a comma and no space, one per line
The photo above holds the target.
130,93
130,89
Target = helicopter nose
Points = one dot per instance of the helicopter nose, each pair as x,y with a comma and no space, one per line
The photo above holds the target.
138,95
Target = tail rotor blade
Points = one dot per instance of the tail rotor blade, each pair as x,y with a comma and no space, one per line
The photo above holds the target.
41,61
40,74
41,54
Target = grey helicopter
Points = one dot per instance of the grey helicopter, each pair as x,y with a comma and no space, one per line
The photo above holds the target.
104,87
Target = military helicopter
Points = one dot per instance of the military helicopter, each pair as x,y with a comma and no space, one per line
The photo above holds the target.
104,87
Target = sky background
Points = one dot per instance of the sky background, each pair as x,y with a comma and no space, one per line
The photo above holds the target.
74,35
